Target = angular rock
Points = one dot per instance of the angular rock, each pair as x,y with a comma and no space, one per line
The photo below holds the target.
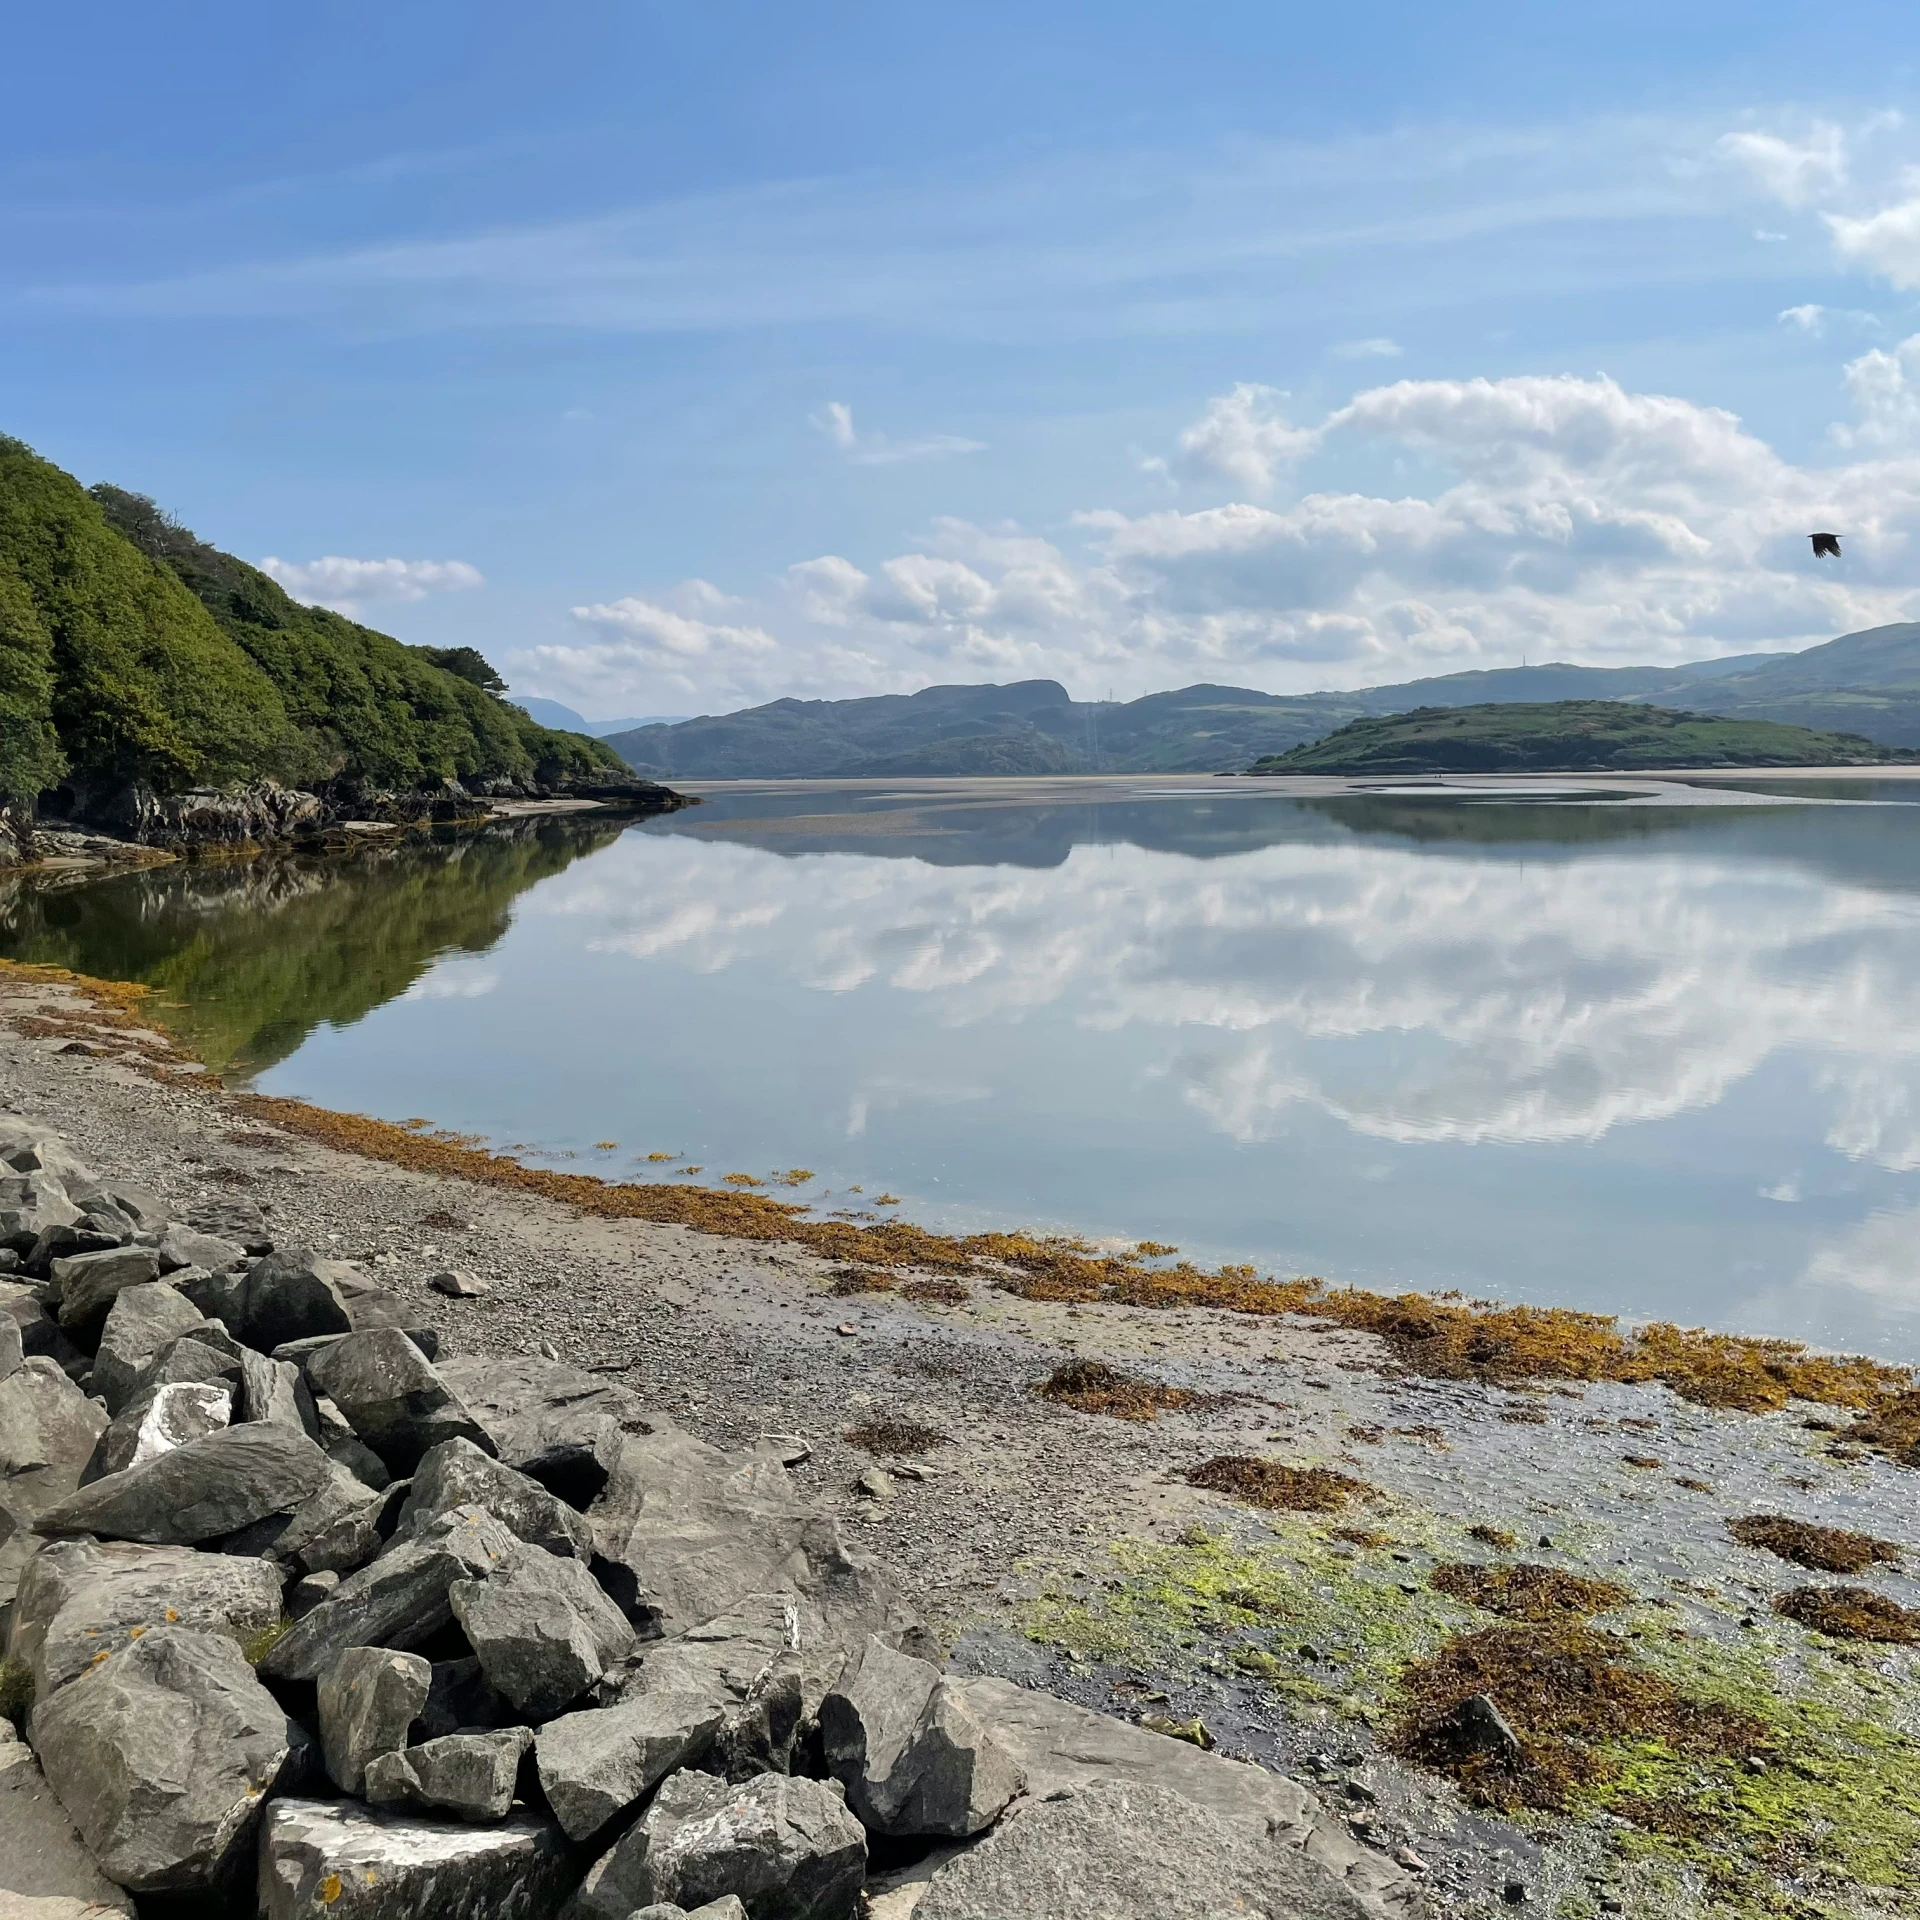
144,1208
140,1322
30,1203
368,1700
27,1146
308,1591
1062,1746
541,1628
162,1755
48,1431
911,1754
182,1247
596,1764
46,1872
469,1775
374,1309
683,1531
1116,1847
201,1491
456,1473
788,1849
344,1446
89,1281
220,1295
158,1420
232,1218
275,1391
13,1352
82,1600
293,1294
64,1242
357,1863
395,1400
335,1529
462,1702
193,1359
458,1284
399,1600
555,1423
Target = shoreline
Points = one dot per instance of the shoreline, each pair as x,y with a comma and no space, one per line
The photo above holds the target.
1065,1546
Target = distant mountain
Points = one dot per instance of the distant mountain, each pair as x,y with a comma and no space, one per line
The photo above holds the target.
1566,736
550,713
1866,683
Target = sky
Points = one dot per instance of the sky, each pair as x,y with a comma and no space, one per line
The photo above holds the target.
685,358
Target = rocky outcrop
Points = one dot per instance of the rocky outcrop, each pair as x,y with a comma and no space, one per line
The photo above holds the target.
46,1872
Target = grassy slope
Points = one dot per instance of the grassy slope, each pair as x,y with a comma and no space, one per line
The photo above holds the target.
1565,735
159,660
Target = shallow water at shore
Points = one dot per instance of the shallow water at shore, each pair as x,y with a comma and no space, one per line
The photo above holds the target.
1643,1059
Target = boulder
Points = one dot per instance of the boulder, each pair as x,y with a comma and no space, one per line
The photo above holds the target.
462,1702
457,1283
596,1764
374,1309
456,1473
140,1322
293,1294
192,1358
158,1420
231,1218
912,1755
163,1755
145,1210
308,1591
82,1600
393,1397
65,1242
275,1391
13,1351
540,1627
1061,1746
46,1872
48,1431
30,1203
203,1490
555,1423
88,1282
399,1600
469,1775
220,1296
368,1699
344,1446
683,1531
334,1530
1129,1847
361,1863
787,1849
182,1247
27,1146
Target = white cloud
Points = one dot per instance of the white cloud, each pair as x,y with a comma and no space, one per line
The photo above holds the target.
1809,318
1886,243
1793,172
1244,437
1378,348
345,585
835,420
655,642
1885,387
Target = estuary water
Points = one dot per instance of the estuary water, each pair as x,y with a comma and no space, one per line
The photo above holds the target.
1652,1059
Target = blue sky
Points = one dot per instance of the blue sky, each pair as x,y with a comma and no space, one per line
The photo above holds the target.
681,358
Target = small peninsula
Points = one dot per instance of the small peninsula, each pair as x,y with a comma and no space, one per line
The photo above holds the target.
1568,736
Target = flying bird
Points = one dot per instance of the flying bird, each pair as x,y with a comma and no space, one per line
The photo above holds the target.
1825,543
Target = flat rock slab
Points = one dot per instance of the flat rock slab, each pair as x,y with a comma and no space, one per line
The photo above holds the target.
1128,1848
207,1488
596,1764
46,1872
81,1600
163,1755
348,1862
468,1775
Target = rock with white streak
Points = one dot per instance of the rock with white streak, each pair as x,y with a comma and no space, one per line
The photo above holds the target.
140,1322
158,1420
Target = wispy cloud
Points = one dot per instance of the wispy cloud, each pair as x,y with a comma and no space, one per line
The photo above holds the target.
345,585
835,420
1378,348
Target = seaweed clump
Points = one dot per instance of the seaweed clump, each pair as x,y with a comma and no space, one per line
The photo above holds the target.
895,1436
1491,1536
851,1280
1851,1613
1825,1549
1526,1591
939,1289
1268,1483
1522,1716
1091,1386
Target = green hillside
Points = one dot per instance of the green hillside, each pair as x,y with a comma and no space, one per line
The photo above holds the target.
1567,736
134,655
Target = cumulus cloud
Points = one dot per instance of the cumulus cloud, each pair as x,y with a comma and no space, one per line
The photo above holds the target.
672,641
835,421
345,584
1244,437
1886,243
1789,170
1885,386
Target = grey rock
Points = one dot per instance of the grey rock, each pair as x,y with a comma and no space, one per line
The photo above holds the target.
458,1284
368,1699
344,1446
140,1322
462,1702
555,1423
787,1849
333,1530
395,1400
232,1218
46,1872
30,1203
13,1351
912,1755
360,1863
219,1295
30,1146
399,1600
308,1591
89,1281
1477,1725
540,1627
163,1755
376,1309
183,1247
200,1491
144,1208
726,1909
82,1600
1130,1847
293,1294
469,1775
1062,1746
48,1431
683,1531
275,1391
456,1473
158,1420
596,1764
195,1359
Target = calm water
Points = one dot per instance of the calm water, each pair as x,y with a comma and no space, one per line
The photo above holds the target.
1657,1060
